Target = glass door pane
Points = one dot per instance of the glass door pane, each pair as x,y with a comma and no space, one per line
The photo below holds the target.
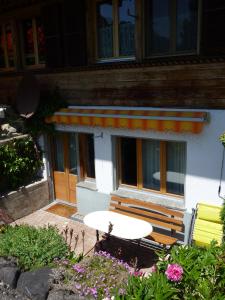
72,154
151,164
90,158
126,27
128,161
176,167
58,153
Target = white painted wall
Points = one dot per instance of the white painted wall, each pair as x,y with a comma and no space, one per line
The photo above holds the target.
204,156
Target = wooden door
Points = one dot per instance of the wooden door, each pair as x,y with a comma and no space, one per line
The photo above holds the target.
65,166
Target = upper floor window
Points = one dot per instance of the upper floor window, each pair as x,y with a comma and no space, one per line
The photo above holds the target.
115,28
7,51
171,26
33,42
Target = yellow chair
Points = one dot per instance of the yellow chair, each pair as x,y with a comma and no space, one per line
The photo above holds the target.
208,225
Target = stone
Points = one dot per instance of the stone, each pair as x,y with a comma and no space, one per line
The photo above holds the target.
8,129
4,217
10,275
65,295
8,262
7,293
34,284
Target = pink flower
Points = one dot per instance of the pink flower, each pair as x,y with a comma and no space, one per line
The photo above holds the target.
153,269
174,272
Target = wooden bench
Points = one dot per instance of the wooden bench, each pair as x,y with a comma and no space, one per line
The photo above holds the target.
166,222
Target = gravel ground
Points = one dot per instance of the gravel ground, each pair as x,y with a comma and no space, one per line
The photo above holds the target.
6,293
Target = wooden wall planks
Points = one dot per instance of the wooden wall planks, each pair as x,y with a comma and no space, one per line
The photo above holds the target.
196,86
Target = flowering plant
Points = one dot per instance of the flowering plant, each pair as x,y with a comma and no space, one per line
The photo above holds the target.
174,272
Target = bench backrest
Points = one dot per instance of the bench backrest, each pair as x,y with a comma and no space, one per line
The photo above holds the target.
208,225
155,214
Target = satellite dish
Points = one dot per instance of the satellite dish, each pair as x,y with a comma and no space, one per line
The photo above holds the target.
28,96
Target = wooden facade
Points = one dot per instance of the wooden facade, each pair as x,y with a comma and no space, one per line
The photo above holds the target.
195,81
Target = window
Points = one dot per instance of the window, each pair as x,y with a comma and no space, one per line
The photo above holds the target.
151,164
115,28
171,26
87,155
7,51
33,42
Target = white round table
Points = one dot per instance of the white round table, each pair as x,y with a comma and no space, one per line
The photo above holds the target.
122,226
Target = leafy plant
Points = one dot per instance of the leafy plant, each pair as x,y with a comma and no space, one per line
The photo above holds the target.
155,287
204,271
20,161
33,247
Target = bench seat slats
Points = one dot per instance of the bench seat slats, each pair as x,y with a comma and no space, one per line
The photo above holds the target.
149,205
162,239
123,211
160,217
155,215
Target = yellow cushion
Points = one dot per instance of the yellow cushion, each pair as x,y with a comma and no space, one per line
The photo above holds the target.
205,232
209,212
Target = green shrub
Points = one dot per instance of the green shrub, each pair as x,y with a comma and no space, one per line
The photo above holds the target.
19,163
202,276
33,247
204,271
154,287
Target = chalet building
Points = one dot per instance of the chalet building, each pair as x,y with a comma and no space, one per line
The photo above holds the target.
145,85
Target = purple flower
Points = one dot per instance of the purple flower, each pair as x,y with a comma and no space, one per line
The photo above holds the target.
78,286
174,272
78,268
93,292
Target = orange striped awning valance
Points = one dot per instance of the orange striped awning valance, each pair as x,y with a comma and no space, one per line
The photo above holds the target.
132,118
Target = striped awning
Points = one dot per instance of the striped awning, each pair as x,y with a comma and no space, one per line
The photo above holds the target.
133,118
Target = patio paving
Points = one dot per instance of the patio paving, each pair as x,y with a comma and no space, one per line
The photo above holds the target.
134,254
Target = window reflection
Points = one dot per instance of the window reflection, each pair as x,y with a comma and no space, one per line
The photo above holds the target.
186,25
2,46
105,29
28,42
126,27
9,45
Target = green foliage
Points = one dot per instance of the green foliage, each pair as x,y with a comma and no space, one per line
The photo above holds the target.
33,247
49,103
204,271
203,276
222,139
222,216
154,287
19,163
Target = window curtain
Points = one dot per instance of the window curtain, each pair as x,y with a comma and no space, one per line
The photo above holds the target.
176,167
151,164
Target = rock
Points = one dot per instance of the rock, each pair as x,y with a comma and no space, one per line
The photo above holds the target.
6,128
4,217
8,262
6,293
34,284
65,295
10,275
